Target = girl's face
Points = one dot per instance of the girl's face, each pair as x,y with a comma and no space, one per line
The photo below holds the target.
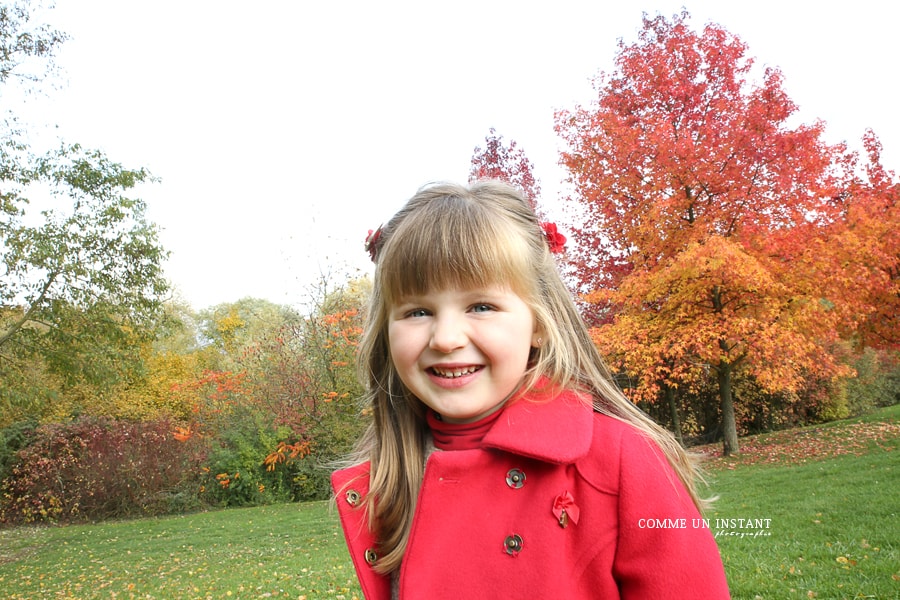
462,352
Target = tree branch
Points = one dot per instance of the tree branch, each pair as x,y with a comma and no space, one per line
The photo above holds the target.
26,316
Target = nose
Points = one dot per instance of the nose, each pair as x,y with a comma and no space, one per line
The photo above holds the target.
447,334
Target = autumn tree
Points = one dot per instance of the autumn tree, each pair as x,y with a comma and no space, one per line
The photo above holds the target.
508,163
171,359
865,241
700,203
303,375
306,369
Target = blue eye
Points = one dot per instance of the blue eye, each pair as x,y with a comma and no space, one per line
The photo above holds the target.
482,308
419,312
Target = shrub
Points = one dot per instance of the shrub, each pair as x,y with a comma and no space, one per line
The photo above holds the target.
238,474
311,480
100,468
12,439
877,382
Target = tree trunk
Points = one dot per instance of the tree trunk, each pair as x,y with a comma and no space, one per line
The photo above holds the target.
729,427
673,408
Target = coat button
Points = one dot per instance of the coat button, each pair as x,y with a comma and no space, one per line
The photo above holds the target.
352,497
371,556
513,544
515,478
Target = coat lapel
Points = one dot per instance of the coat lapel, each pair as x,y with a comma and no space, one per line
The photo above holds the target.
551,429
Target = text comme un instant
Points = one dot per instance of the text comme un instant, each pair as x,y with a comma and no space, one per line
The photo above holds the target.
704,523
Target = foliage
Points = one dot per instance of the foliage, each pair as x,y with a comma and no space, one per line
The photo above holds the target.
237,463
97,468
81,264
13,438
507,163
150,395
22,42
704,214
29,390
877,382
288,406
232,329
304,374
865,243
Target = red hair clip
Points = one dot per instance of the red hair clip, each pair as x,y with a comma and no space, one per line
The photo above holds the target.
555,239
372,242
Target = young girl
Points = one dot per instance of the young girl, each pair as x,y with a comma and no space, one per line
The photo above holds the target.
502,461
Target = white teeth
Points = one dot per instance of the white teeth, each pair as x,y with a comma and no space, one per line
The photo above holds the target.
454,373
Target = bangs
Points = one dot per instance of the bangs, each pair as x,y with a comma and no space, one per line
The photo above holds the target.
454,244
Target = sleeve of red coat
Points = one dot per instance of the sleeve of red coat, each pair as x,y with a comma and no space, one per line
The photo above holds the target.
673,556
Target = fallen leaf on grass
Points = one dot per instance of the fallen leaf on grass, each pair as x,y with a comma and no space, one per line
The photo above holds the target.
793,446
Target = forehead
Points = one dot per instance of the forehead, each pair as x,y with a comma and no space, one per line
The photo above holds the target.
433,271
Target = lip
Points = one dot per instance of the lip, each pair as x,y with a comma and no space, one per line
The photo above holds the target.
453,375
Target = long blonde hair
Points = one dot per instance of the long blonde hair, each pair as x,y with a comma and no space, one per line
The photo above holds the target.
448,236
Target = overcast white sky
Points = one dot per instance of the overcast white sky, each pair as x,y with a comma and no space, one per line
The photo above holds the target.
283,130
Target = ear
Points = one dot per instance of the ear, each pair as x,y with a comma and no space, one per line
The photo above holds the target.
537,339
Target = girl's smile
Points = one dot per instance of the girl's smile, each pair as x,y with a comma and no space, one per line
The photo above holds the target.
451,376
462,352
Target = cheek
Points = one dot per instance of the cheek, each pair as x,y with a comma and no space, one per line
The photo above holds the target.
401,346
511,350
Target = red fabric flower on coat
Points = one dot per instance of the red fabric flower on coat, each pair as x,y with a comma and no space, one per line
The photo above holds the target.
555,239
565,509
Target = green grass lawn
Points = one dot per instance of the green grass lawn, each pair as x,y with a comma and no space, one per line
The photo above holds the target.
832,494
827,497
282,551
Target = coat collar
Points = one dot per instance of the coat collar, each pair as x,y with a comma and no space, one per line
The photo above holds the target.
551,428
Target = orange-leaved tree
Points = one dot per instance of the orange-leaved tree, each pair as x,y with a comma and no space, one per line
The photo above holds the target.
697,199
866,243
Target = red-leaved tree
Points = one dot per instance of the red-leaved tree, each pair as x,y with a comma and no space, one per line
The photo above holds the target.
701,205
507,163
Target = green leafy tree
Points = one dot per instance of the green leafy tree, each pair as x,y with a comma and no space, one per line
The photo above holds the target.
229,330
26,48
80,264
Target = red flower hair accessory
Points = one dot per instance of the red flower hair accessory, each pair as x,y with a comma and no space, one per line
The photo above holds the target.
372,242
555,239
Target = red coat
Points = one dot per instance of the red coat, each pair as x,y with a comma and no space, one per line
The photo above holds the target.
485,525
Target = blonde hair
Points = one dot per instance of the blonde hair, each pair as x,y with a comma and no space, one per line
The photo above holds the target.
452,237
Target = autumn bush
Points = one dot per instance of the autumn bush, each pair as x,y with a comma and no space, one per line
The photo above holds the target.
99,468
